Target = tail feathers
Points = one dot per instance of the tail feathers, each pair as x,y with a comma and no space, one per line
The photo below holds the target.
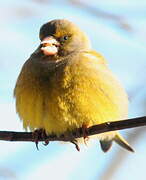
122,142
105,145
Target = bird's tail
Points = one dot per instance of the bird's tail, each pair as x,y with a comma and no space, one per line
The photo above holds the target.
106,144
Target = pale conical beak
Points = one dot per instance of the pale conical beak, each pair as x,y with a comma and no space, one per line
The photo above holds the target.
49,46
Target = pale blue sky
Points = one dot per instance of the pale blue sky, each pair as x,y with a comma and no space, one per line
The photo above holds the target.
126,55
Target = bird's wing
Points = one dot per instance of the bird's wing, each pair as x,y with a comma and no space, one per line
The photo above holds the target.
92,54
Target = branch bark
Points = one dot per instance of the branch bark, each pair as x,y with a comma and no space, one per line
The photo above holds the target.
97,129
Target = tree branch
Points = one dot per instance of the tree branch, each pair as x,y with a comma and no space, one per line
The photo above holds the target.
97,129
103,14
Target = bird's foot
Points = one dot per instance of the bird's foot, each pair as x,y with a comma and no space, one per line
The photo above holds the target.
70,135
40,133
85,133
76,144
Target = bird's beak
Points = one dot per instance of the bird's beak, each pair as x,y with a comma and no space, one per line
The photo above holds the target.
49,46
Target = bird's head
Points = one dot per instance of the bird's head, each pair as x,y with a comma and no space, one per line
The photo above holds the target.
62,37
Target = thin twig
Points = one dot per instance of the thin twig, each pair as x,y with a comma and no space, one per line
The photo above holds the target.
77,133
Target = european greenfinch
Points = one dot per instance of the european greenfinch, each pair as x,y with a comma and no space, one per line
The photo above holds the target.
66,85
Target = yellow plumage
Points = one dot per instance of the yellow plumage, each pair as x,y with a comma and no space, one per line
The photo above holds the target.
81,91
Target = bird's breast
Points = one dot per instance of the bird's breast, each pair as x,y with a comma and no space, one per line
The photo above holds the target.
82,92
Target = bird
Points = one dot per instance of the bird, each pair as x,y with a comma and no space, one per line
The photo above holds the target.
65,85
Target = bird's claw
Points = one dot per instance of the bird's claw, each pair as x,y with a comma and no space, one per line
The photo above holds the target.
46,143
85,133
76,145
37,134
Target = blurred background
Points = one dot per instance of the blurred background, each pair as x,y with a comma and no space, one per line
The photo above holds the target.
117,29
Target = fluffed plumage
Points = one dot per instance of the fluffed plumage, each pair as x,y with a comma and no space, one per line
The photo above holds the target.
65,84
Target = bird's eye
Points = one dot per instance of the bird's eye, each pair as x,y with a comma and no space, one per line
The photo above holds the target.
65,37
